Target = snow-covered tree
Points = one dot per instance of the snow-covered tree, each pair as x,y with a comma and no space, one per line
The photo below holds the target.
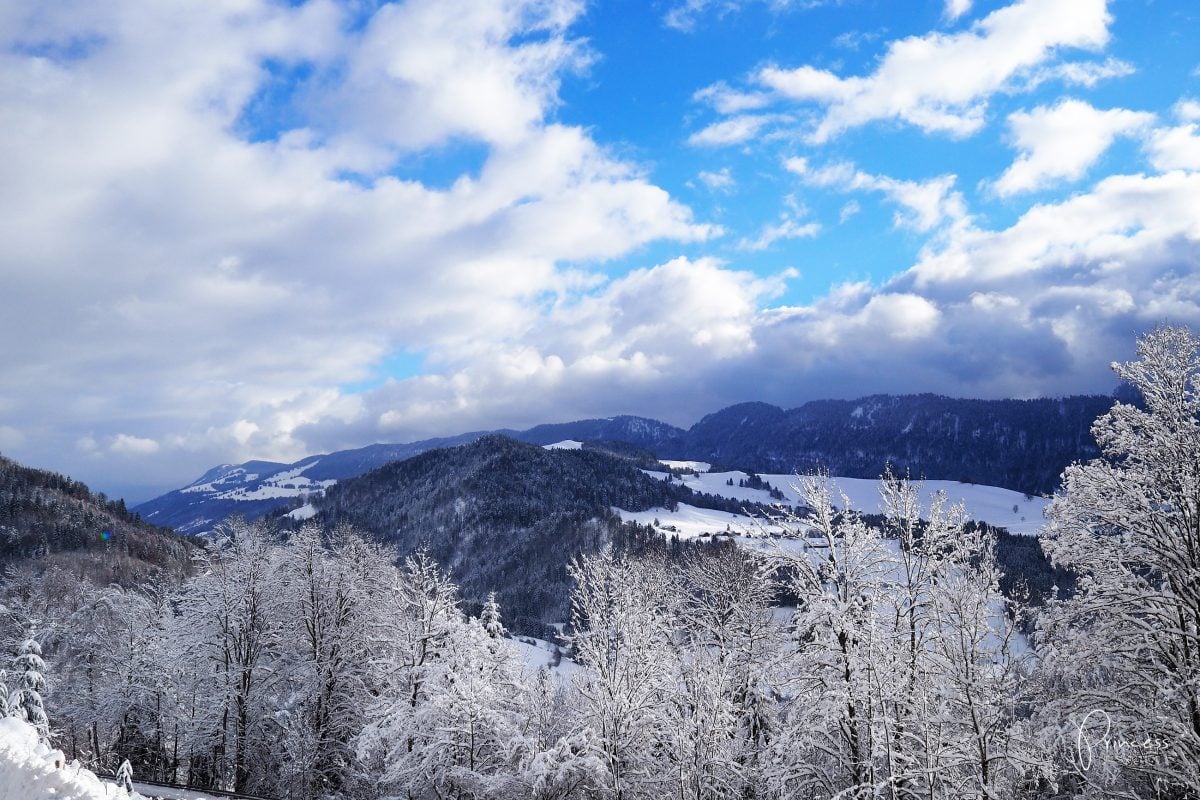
327,618
905,678
446,714
1123,654
838,572
228,635
105,652
558,757
723,717
25,701
490,617
125,776
621,612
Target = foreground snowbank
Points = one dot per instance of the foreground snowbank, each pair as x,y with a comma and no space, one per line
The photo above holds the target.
29,770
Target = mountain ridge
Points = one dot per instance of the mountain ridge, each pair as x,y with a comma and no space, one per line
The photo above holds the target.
1017,444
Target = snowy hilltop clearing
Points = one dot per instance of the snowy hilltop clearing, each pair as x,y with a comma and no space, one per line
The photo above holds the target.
1015,511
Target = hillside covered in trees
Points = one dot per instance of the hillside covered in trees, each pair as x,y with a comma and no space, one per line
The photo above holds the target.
505,516
47,519
1017,444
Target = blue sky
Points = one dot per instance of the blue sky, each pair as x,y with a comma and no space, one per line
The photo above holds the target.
253,229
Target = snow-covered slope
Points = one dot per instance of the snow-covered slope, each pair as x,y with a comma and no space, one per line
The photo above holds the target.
29,770
256,488
1017,512
239,484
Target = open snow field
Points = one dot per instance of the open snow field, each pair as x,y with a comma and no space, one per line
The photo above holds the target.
1004,508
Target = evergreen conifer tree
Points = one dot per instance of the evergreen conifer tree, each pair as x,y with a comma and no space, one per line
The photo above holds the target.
490,617
26,701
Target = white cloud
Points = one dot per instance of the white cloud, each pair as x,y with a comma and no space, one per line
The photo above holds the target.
1175,148
924,205
1126,223
1062,142
1041,307
1081,73
727,100
849,210
426,70
639,338
733,130
956,8
722,180
216,289
788,227
128,445
1188,110
942,82
684,14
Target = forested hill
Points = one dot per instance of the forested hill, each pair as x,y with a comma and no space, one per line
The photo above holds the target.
48,519
503,515
1018,444
256,488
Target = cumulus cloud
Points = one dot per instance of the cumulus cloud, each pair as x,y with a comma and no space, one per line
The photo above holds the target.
941,82
642,341
196,284
1125,223
726,100
425,71
1061,142
1038,307
1188,110
1175,148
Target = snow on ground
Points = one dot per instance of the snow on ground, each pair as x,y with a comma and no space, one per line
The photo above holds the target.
536,654
1004,508
698,466
689,522
271,490
237,484
29,770
306,511
565,444
152,792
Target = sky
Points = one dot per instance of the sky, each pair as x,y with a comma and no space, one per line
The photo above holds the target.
241,229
